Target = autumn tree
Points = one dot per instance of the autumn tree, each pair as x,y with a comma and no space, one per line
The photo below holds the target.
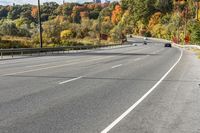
84,15
66,34
154,20
117,14
34,12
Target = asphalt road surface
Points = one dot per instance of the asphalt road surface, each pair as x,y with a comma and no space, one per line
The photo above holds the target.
127,89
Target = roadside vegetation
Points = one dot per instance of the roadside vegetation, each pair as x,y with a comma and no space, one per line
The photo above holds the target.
84,24
197,51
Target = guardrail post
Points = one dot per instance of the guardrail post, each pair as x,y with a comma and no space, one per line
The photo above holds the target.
1,55
12,54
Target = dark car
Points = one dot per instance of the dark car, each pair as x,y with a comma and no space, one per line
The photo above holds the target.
145,43
169,45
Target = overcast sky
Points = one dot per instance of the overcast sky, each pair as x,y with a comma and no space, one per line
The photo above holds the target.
35,1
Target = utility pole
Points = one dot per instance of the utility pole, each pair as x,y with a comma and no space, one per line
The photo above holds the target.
178,13
40,24
99,28
186,10
197,9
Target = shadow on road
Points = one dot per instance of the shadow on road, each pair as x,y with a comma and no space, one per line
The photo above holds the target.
102,78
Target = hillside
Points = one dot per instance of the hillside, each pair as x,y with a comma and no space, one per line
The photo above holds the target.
73,23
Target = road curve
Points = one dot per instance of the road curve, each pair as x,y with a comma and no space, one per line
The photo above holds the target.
85,92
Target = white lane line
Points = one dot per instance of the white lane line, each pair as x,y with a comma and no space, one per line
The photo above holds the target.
67,81
56,66
116,121
116,66
37,65
137,59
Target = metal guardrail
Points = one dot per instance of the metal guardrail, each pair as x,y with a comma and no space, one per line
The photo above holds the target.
192,46
31,51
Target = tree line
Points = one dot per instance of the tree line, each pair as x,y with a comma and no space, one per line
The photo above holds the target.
174,20
79,24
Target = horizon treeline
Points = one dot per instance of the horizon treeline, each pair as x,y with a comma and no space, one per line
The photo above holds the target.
84,24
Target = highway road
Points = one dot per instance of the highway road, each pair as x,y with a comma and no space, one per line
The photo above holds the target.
126,89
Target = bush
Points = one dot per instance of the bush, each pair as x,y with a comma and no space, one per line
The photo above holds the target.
116,34
195,32
9,28
13,44
66,34
72,43
24,32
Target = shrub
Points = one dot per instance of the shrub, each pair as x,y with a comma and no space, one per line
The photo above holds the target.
9,28
66,34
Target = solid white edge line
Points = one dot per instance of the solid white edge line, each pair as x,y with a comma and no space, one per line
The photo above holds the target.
116,66
67,81
116,121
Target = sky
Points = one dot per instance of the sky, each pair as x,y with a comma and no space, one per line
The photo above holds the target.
3,2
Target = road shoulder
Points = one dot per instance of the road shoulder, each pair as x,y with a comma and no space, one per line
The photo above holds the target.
174,105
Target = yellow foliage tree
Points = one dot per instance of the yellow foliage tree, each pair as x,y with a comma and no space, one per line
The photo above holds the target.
154,20
198,15
159,31
66,34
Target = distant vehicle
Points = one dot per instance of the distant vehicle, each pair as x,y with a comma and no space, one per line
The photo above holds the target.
145,43
169,45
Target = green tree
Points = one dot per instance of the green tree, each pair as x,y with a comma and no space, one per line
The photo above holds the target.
3,12
195,32
164,6
48,9
9,28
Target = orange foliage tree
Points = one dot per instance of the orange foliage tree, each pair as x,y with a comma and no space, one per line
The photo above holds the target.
154,20
34,12
84,15
117,14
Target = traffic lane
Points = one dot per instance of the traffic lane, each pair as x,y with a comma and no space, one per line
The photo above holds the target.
23,96
51,58
46,61
90,103
18,89
172,107
104,57
18,85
